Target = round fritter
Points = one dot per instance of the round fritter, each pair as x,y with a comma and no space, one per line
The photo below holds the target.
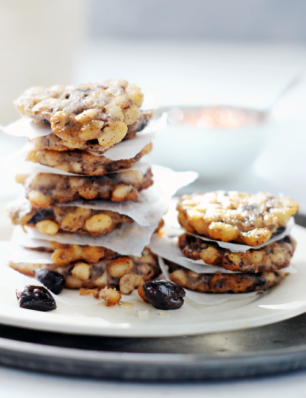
236,217
270,258
84,112
226,283
66,219
55,143
45,190
81,162
65,254
123,272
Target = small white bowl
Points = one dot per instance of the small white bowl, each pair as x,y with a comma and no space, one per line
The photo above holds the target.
215,153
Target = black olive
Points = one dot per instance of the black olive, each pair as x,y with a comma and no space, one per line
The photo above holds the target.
164,295
54,281
35,298
41,215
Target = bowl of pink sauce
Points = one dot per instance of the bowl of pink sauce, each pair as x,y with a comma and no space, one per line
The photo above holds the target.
216,141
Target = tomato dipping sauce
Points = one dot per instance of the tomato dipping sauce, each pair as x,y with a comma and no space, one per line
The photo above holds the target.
215,117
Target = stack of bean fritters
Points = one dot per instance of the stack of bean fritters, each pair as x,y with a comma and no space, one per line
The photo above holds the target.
248,222
85,121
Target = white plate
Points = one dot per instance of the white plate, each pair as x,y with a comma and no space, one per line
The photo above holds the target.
283,302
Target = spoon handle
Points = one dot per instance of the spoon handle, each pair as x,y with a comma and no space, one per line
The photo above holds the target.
292,83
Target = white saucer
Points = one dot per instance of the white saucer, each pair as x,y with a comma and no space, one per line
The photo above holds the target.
285,301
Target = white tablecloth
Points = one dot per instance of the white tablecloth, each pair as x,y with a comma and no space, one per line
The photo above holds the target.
20,384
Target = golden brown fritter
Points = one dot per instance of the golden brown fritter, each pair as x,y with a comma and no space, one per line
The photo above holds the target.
55,143
270,258
236,217
226,283
65,254
66,219
81,162
44,190
124,273
101,111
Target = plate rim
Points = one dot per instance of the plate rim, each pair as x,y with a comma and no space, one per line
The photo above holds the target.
148,366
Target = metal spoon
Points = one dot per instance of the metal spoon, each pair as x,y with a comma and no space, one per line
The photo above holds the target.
292,83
